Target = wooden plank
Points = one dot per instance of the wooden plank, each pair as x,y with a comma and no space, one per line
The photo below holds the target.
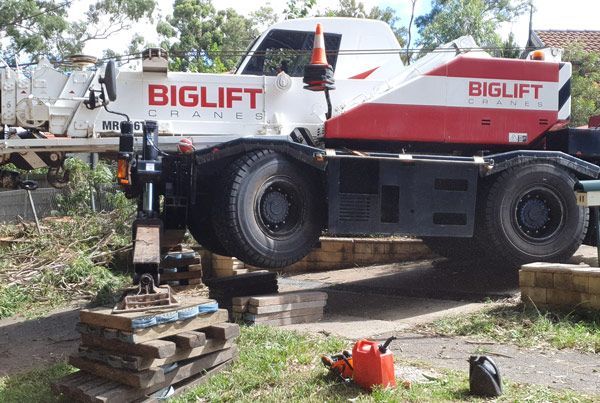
180,275
104,317
222,331
241,301
287,298
146,249
284,314
151,348
128,394
285,307
170,329
191,382
292,320
187,340
140,380
195,267
159,331
238,308
135,363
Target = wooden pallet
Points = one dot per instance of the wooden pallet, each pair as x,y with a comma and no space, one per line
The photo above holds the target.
85,387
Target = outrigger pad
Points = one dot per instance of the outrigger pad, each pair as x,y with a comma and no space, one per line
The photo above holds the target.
146,295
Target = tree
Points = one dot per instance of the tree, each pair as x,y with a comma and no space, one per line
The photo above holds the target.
585,83
509,48
350,8
201,39
298,8
264,17
450,19
32,28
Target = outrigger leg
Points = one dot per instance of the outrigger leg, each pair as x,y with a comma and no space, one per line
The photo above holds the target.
147,228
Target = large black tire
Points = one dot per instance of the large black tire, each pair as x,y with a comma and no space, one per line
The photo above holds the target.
269,210
531,215
454,248
200,224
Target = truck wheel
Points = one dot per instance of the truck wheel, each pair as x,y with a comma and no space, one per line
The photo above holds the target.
270,211
453,248
203,232
531,215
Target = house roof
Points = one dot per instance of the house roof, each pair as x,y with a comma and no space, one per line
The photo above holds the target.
562,38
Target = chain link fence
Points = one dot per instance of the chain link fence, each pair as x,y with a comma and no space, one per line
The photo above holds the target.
15,203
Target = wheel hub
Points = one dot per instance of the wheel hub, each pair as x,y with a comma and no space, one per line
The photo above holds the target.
539,214
274,207
534,214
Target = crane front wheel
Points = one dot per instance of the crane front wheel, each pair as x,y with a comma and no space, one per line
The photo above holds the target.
269,210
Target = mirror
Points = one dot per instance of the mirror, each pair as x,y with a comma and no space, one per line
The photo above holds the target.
110,80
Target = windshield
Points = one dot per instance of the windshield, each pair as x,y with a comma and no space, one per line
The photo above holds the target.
289,51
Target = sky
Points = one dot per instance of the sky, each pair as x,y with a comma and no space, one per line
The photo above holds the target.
550,14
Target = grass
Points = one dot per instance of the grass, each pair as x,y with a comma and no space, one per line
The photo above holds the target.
526,326
278,365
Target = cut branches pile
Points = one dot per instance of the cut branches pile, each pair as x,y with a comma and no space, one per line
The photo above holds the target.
71,259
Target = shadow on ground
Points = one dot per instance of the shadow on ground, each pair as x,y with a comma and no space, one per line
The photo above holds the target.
38,342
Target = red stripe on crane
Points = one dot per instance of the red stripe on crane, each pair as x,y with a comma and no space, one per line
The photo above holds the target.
363,75
500,69
437,124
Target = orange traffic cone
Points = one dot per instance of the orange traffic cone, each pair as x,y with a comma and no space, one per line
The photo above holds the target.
318,54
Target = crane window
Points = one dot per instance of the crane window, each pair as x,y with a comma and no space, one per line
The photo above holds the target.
289,51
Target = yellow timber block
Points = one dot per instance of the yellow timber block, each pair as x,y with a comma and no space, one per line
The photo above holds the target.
594,285
322,256
581,282
408,247
195,267
334,245
526,278
590,301
562,298
533,294
363,247
544,280
302,265
563,281
545,267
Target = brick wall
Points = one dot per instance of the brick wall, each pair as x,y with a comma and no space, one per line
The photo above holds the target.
565,286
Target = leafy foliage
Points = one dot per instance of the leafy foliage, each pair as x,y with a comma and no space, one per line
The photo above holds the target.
350,8
201,39
42,27
298,8
585,83
450,19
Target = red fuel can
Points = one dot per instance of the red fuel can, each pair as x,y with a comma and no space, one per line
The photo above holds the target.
373,364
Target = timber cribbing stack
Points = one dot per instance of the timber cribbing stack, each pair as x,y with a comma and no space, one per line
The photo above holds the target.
146,356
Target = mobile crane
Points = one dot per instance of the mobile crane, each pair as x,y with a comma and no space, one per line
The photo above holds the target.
460,148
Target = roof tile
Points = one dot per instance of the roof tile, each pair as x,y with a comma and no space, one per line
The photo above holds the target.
562,38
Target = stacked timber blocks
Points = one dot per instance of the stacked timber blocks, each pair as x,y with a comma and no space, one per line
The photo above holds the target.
226,266
146,356
224,289
281,309
181,269
565,286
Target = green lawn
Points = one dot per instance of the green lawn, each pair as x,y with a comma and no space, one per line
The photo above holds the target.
527,327
276,365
